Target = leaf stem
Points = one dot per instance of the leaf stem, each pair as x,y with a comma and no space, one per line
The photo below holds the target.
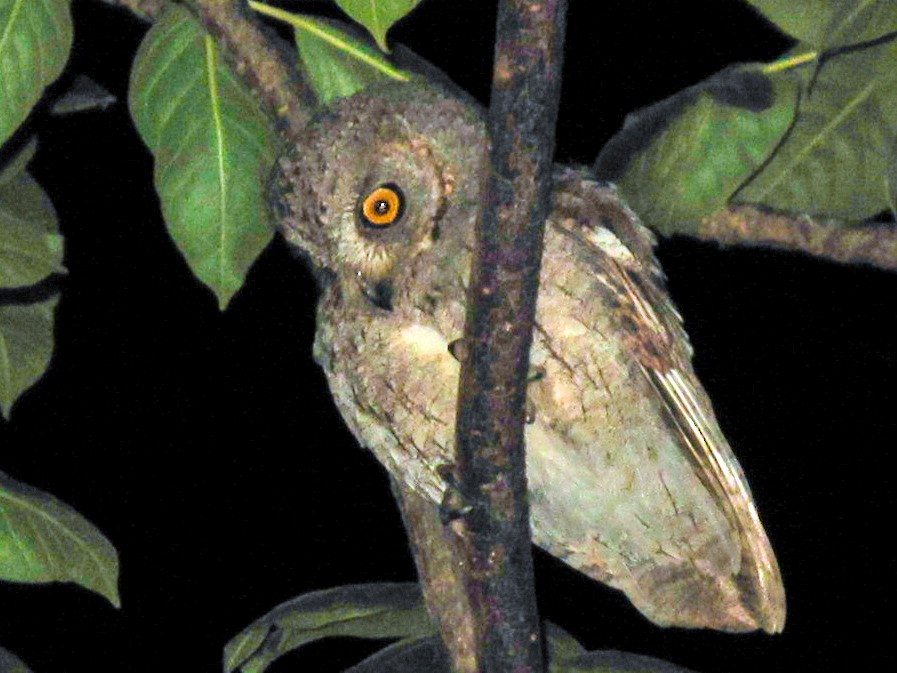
790,62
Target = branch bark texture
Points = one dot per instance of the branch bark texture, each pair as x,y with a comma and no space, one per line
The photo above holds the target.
491,468
875,245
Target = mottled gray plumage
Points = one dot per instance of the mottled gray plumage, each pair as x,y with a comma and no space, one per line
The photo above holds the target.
631,480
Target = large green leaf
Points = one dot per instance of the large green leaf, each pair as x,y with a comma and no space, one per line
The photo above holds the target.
612,661
30,245
336,62
396,611
213,150
835,160
807,20
35,39
407,656
26,344
339,64
45,540
361,611
377,16
856,21
10,663
565,655
824,24
683,158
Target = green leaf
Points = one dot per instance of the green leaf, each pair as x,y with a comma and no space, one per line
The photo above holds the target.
14,166
561,645
407,656
83,95
611,661
565,655
825,24
806,20
382,610
30,245
10,663
26,344
835,160
856,21
680,160
30,249
45,540
35,39
213,150
338,64
377,16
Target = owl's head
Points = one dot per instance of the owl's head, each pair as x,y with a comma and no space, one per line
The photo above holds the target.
382,181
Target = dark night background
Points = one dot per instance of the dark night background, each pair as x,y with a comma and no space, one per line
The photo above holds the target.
206,448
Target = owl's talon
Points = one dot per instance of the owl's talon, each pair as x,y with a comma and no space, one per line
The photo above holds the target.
446,472
459,349
452,506
530,412
536,373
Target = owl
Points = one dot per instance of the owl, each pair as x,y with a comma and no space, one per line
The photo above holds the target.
630,479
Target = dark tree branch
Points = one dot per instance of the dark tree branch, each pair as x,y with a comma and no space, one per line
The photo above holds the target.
257,59
493,536
874,244
148,10
441,569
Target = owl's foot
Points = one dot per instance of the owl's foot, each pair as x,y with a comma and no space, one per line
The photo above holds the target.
535,373
458,349
453,505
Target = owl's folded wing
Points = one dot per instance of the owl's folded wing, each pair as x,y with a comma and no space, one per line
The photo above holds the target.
656,338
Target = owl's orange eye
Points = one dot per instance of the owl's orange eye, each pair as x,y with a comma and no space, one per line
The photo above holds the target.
383,207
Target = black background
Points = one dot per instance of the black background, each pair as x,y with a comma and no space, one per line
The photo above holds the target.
206,448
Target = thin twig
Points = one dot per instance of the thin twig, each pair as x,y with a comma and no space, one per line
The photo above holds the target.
148,10
874,244
258,61
501,309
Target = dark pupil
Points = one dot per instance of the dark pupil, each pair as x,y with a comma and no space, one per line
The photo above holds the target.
381,207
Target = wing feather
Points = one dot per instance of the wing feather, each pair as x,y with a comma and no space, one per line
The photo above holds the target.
656,338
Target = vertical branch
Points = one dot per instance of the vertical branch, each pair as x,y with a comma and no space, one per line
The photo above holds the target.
494,534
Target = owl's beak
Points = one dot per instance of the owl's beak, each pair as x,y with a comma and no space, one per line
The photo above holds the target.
379,293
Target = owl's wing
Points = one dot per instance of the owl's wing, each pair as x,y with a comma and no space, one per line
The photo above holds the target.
654,335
